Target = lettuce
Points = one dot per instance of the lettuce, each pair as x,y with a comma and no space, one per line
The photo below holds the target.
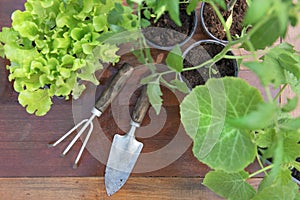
54,46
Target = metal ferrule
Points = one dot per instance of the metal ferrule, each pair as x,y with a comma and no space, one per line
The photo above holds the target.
96,112
133,127
133,123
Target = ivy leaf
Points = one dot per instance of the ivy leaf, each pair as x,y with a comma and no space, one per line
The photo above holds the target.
205,113
37,101
260,118
229,185
154,94
174,59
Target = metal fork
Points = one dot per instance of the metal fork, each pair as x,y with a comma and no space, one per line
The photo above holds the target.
101,104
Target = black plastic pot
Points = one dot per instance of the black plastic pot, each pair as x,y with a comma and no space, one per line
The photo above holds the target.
200,52
204,27
166,32
236,27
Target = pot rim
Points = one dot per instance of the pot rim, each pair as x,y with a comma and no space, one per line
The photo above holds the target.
168,48
217,42
205,27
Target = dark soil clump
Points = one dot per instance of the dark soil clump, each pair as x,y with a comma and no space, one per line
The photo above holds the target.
200,54
214,25
165,32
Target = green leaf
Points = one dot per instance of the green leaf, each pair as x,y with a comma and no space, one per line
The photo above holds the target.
174,59
145,23
269,71
229,20
291,104
229,185
100,23
154,94
147,13
115,16
192,6
139,2
257,11
266,34
180,85
172,7
291,124
37,102
290,63
28,30
221,3
293,82
291,147
265,138
284,188
205,113
260,118
107,53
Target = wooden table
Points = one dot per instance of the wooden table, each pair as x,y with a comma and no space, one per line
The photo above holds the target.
31,170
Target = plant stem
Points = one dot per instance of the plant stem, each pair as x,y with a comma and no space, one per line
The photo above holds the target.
279,93
268,93
221,18
261,170
260,163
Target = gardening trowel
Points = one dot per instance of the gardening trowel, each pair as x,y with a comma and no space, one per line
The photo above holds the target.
125,149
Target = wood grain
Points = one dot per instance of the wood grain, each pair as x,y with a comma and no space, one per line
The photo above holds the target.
90,188
24,151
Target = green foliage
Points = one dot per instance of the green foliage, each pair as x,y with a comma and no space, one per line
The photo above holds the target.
269,20
229,185
37,101
154,94
156,8
278,66
210,107
229,120
59,44
174,59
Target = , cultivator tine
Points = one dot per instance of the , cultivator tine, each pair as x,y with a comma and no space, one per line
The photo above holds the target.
102,103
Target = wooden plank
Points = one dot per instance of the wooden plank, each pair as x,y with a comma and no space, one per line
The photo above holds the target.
93,188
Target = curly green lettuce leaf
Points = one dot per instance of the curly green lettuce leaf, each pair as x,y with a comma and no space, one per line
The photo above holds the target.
38,101
57,43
